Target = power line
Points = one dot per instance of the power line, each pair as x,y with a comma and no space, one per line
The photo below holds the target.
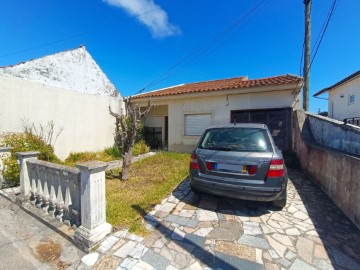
325,26
70,37
198,53
322,33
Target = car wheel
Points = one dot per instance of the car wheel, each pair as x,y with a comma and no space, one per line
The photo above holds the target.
195,190
280,203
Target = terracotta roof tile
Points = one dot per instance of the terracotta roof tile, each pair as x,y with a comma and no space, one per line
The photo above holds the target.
223,84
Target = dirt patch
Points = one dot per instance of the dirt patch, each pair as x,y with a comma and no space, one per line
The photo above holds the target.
48,251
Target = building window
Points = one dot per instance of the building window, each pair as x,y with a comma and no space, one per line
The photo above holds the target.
352,99
195,124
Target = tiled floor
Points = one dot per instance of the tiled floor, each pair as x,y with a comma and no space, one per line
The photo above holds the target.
208,232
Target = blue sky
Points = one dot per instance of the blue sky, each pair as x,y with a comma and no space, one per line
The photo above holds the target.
135,50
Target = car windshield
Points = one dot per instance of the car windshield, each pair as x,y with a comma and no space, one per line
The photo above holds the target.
236,139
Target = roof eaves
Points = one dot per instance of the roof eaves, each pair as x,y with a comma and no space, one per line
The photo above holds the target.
341,82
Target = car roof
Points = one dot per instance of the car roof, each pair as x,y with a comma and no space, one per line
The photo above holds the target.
240,125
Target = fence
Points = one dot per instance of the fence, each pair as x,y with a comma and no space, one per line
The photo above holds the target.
75,196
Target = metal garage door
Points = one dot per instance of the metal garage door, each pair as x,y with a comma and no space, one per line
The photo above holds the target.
277,120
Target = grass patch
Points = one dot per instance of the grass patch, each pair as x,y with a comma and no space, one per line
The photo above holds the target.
151,180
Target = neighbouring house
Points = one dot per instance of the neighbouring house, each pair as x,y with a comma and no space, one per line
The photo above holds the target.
182,112
67,88
344,103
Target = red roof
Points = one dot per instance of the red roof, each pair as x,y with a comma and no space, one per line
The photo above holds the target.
224,84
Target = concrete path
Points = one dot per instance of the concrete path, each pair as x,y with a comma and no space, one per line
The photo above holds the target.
208,232
26,243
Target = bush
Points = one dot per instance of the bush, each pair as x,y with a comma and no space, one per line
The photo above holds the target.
79,157
140,148
114,151
22,142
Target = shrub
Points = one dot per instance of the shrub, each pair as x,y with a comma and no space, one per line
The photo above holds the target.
79,157
140,148
114,152
22,142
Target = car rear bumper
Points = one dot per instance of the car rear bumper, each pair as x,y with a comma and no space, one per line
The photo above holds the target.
238,191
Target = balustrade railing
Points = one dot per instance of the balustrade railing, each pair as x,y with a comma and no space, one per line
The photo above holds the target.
75,196
56,190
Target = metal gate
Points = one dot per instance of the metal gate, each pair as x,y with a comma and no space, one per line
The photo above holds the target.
277,120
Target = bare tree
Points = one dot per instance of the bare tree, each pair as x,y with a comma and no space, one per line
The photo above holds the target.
125,131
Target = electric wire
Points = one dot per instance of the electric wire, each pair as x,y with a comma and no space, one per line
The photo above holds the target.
70,37
198,53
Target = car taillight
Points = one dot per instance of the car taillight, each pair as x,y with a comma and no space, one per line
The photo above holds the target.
276,168
194,162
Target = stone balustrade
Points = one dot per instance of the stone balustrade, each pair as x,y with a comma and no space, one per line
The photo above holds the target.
75,196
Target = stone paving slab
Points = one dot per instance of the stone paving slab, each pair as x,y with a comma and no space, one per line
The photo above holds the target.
189,231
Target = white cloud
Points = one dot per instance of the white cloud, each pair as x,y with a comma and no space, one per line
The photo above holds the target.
148,13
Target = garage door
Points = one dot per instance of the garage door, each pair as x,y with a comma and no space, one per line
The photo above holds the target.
277,120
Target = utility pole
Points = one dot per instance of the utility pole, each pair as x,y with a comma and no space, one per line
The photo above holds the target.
307,55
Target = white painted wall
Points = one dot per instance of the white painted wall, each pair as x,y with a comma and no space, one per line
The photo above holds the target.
339,107
219,105
88,126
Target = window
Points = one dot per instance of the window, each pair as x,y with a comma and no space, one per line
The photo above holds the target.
351,99
236,139
195,124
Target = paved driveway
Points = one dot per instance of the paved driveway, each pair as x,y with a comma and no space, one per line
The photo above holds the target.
208,232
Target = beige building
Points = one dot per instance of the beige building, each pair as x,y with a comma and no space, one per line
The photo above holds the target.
182,112
344,98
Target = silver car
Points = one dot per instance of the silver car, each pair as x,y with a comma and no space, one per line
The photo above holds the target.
239,161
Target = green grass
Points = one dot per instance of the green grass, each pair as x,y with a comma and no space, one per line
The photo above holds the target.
151,180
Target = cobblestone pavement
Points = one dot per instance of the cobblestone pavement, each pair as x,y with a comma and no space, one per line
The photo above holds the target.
208,232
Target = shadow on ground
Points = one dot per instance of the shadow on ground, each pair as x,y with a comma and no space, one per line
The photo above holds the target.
339,236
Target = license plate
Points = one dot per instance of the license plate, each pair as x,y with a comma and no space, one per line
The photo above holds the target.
230,167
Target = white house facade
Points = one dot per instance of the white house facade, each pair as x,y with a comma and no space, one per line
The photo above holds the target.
181,113
344,98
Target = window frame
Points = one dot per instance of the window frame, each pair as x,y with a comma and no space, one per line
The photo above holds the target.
352,99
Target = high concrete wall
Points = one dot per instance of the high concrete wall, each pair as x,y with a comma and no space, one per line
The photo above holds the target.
88,126
335,134
336,172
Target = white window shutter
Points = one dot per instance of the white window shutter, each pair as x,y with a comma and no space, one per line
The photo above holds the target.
195,124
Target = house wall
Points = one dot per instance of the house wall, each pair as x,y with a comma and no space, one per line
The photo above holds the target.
219,106
339,107
336,172
88,126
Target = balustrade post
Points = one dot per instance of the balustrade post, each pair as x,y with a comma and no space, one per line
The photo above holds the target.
25,185
93,207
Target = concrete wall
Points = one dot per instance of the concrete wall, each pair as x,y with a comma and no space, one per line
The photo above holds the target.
335,134
88,126
335,172
339,107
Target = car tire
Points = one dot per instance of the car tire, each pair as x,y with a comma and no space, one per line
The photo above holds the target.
280,203
195,190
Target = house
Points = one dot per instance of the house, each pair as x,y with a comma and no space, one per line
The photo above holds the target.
68,89
182,112
344,103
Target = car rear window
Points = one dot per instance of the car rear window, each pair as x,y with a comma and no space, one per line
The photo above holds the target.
236,139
